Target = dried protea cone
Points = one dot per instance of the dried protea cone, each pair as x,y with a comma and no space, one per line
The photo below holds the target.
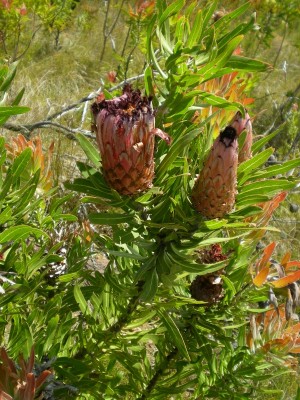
240,124
209,287
125,129
214,192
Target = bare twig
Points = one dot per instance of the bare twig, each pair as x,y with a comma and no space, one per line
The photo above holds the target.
279,51
108,31
91,96
27,129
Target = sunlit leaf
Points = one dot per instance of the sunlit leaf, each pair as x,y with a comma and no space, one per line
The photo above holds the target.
261,277
91,152
109,218
268,251
20,232
174,332
283,282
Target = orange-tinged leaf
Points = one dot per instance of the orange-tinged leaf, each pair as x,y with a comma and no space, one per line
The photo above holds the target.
293,329
30,363
7,361
291,264
283,282
41,378
5,396
286,258
247,101
261,277
30,386
266,255
295,350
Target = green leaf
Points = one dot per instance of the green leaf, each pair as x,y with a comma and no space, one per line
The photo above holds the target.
20,232
18,98
92,153
276,169
141,320
227,18
174,333
149,89
150,286
218,62
5,215
255,162
6,111
21,162
50,333
252,199
217,101
208,12
196,30
177,148
172,9
240,63
109,218
268,187
81,300
11,72
123,254
263,141
86,186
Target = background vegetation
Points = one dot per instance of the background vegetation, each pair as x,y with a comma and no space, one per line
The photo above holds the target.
101,293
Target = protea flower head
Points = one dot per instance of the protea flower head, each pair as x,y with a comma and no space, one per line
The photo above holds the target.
240,124
125,130
215,189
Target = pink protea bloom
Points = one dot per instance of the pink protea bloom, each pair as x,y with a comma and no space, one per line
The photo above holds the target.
240,124
214,192
125,130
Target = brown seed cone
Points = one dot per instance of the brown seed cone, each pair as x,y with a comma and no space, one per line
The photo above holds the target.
207,288
125,129
240,124
215,189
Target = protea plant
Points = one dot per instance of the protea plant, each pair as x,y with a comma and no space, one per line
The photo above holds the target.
214,192
125,130
240,124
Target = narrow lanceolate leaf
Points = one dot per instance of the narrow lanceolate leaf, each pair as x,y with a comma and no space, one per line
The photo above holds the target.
259,144
109,218
20,232
290,265
80,300
220,102
268,251
20,162
286,258
261,277
12,110
175,150
170,10
258,160
91,152
268,187
248,64
150,286
283,282
276,170
174,332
